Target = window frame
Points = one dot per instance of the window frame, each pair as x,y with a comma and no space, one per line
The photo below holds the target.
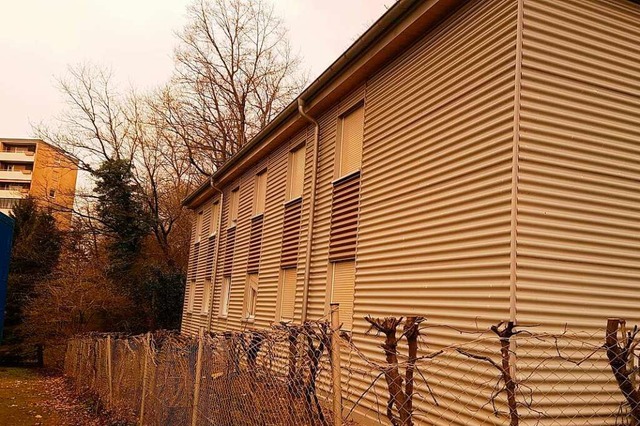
207,296
234,206
225,297
330,298
199,225
338,174
215,219
191,296
292,167
251,297
260,198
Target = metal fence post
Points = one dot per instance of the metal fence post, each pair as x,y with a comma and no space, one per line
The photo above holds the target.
196,387
109,370
145,373
335,364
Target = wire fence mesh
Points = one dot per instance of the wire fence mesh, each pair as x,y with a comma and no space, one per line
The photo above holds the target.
401,372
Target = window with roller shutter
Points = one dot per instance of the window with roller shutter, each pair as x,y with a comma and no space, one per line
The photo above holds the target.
342,290
234,200
215,218
288,280
344,218
350,137
255,243
225,296
296,173
251,296
228,254
291,234
260,193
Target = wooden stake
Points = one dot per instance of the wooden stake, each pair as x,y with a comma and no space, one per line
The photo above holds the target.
147,351
109,369
335,364
196,388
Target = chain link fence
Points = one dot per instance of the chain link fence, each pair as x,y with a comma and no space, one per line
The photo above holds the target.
400,372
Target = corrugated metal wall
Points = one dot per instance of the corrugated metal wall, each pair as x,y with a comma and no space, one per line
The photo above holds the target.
434,235
579,175
435,222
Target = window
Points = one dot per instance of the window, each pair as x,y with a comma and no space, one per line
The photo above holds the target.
342,290
199,219
261,193
52,193
251,296
191,296
289,279
206,295
215,218
225,296
233,206
349,147
296,173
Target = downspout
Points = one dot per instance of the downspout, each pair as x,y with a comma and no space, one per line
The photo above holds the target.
312,207
215,253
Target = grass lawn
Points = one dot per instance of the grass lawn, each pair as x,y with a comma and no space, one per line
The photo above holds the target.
29,397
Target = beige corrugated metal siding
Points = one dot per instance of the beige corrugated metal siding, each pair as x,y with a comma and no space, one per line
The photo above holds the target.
579,172
434,233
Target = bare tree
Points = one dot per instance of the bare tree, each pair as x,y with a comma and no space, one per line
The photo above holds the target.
234,72
101,124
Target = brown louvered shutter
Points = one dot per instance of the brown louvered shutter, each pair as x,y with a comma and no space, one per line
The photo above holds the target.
342,290
291,234
211,245
228,254
215,220
255,242
193,262
287,303
344,218
352,133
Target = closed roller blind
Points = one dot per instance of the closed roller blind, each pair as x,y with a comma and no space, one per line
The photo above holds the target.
296,173
343,291
215,212
255,243
290,234
344,218
351,141
251,295
228,255
233,206
289,278
261,192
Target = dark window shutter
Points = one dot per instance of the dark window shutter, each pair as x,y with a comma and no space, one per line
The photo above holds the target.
211,249
255,243
228,255
291,233
344,218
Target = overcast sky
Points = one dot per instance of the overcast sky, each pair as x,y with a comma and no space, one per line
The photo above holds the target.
39,38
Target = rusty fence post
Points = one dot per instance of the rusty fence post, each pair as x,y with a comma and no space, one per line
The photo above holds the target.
196,388
335,364
145,373
109,368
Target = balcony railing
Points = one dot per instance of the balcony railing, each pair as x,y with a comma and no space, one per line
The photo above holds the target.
9,203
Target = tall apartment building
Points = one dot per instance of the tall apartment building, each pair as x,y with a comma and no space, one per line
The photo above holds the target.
33,167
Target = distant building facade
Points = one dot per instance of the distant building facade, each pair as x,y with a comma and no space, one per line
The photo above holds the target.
34,167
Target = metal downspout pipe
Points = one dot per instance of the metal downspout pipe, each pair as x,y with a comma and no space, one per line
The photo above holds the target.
312,207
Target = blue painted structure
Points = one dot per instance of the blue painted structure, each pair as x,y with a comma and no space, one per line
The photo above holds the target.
6,235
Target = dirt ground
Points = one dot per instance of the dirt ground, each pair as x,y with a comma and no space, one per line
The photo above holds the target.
29,397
